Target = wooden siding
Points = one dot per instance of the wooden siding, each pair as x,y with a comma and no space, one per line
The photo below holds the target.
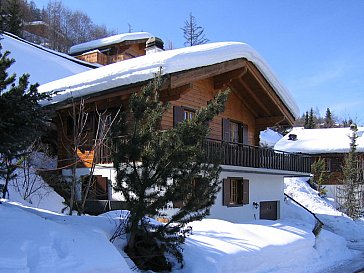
243,105
198,95
336,174
117,53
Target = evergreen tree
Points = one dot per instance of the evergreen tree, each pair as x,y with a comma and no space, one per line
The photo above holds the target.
14,20
320,176
21,117
329,121
349,195
193,34
306,121
155,168
311,120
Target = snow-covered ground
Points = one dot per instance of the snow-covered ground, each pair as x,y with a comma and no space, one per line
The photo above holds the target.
36,240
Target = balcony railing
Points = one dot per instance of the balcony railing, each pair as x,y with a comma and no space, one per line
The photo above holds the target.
236,154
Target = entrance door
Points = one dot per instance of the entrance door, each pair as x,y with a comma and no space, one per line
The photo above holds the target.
269,210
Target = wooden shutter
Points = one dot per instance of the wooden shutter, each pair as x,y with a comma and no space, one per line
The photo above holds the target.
245,134
226,192
245,191
178,114
225,129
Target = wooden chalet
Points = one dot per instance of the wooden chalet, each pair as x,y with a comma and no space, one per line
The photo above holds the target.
253,176
112,49
330,144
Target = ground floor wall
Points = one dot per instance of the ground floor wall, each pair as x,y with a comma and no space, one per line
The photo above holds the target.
265,190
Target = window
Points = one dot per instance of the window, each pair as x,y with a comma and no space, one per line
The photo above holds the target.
235,192
181,113
336,164
234,131
333,164
188,114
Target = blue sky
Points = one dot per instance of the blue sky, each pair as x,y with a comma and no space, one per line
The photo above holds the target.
315,47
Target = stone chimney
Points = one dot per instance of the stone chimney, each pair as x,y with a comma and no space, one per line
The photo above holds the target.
154,45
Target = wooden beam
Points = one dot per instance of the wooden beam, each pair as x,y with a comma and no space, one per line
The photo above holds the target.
255,97
184,77
243,100
223,80
271,92
269,121
175,93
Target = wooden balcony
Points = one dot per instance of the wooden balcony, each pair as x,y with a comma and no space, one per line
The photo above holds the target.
236,154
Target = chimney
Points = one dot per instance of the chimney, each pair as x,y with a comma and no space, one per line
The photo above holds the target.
292,137
154,45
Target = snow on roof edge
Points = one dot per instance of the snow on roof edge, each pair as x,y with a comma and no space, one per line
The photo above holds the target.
108,41
144,68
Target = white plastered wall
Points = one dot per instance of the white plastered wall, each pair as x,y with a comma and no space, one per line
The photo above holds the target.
262,187
105,171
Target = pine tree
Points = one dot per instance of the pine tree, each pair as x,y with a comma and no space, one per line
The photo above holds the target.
14,22
329,121
193,33
320,176
311,120
155,168
306,125
349,195
21,117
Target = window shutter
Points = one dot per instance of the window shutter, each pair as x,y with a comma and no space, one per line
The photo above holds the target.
245,191
245,134
225,129
240,199
226,192
178,114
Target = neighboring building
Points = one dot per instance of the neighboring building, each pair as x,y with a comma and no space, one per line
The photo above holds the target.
331,144
252,176
43,64
112,49
41,33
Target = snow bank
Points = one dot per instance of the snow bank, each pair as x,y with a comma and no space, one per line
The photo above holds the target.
262,246
316,141
333,220
42,195
145,67
37,241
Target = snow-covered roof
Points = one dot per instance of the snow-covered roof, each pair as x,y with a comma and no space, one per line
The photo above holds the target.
145,67
109,41
320,141
268,137
43,64
36,23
